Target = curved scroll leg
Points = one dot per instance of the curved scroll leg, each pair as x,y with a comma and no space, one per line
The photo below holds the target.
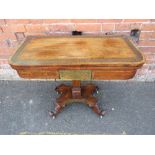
98,111
58,109
61,89
65,94
92,102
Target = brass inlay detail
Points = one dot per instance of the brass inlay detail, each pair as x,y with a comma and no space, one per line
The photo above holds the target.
75,74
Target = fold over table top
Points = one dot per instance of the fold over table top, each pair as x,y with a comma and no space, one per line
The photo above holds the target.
77,51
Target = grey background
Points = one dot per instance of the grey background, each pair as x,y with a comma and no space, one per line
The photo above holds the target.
24,106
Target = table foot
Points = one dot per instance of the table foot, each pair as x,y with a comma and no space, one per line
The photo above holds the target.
58,109
52,114
98,111
102,113
76,93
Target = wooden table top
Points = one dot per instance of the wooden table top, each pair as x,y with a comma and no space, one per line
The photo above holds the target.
77,58
77,50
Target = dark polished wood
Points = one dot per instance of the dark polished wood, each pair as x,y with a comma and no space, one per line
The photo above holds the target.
77,58
76,93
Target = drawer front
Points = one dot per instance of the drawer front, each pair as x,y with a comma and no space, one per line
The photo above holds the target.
75,74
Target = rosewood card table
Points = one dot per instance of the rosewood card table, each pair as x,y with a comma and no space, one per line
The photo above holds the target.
77,58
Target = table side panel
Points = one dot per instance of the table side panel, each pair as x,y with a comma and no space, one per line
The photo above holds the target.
38,74
113,74
104,74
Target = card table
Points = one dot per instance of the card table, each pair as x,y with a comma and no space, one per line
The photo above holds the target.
77,58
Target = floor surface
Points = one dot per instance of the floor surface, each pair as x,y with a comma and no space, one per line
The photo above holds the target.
24,106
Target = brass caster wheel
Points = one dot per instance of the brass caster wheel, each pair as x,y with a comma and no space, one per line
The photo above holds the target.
102,114
97,89
52,114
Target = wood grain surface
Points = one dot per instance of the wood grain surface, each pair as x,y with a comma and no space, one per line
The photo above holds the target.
106,57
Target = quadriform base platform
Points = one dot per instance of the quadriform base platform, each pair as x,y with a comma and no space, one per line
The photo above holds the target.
77,58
